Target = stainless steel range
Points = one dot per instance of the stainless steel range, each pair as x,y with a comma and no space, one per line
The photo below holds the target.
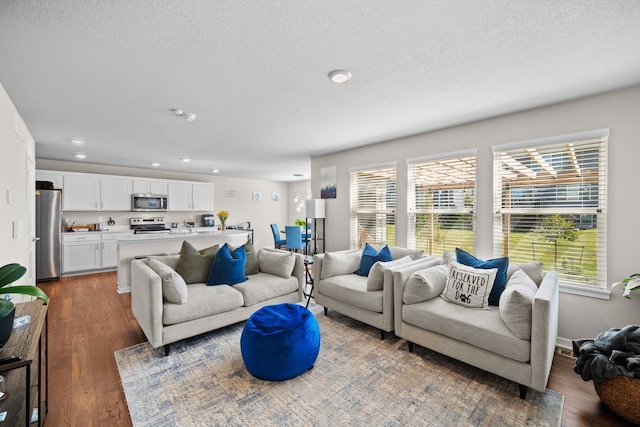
149,225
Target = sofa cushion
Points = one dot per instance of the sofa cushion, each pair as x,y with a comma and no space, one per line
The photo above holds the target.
469,286
425,284
501,277
228,267
533,269
339,263
370,256
480,328
375,280
398,252
264,286
203,301
351,289
174,288
194,265
516,304
276,262
251,259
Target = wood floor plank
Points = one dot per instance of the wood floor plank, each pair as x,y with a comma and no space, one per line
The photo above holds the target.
89,321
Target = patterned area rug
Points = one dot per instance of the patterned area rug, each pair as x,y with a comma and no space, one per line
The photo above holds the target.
357,380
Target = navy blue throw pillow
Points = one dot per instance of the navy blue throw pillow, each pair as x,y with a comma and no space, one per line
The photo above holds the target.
501,277
227,267
370,257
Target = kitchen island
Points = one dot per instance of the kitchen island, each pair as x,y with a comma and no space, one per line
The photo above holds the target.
140,245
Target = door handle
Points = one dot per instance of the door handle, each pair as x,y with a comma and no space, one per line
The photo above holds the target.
36,239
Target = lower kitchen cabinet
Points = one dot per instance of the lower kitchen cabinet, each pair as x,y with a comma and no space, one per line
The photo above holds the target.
81,252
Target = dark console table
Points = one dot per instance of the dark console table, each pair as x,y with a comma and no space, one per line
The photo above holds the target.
27,378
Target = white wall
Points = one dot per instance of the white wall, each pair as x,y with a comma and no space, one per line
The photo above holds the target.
231,194
579,316
17,148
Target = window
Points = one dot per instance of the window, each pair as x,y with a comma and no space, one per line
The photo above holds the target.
441,202
550,204
373,205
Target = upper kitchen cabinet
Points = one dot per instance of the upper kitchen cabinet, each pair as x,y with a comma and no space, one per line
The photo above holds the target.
85,192
115,194
55,177
149,186
190,196
81,193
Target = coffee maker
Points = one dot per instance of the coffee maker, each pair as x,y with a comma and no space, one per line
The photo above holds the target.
208,220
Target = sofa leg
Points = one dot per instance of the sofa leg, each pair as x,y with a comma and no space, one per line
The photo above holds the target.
166,350
325,311
410,346
381,334
523,390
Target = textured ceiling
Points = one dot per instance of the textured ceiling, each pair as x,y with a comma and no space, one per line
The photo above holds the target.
255,73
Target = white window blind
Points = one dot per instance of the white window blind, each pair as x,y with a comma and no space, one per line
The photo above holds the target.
441,203
373,206
550,204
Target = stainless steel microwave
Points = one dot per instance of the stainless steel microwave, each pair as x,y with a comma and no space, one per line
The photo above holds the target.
148,202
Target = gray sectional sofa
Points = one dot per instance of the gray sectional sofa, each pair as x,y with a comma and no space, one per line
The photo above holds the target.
368,299
481,337
279,279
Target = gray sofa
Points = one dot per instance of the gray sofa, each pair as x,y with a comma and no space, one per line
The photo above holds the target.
480,337
337,288
209,307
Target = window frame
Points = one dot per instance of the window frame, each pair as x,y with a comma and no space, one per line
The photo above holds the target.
383,213
599,137
412,204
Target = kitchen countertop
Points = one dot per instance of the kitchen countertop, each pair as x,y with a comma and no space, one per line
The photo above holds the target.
181,235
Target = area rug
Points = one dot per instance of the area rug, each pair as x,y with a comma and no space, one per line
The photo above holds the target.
357,380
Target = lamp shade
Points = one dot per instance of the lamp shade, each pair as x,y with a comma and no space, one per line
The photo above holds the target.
315,208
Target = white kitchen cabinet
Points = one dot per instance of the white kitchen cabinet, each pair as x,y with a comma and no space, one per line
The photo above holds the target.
151,186
56,178
190,196
82,251
81,193
115,194
202,197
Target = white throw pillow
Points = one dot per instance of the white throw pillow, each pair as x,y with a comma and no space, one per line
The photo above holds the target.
174,288
468,286
425,284
339,263
276,262
516,304
375,281
533,269
448,256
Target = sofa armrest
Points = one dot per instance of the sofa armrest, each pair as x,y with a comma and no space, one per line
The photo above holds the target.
298,273
544,329
146,301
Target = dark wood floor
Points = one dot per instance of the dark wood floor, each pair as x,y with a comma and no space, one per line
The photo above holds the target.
89,320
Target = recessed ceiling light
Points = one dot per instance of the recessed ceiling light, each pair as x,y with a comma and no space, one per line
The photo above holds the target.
155,164
340,76
185,159
298,175
81,156
78,141
215,170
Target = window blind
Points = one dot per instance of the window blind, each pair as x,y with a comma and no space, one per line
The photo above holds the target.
550,206
373,206
441,202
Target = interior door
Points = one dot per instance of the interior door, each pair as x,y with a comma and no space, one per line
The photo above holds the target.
31,212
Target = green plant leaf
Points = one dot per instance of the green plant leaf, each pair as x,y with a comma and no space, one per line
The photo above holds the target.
26,290
10,273
5,308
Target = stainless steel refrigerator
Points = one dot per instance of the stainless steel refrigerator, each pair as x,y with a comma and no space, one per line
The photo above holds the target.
48,234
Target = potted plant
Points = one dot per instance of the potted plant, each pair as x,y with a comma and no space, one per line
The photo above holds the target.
631,283
9,274
301,222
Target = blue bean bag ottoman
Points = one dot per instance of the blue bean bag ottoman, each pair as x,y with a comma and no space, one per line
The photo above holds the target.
280,341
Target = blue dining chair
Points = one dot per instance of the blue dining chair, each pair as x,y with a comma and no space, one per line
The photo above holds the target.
277,241
294,238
